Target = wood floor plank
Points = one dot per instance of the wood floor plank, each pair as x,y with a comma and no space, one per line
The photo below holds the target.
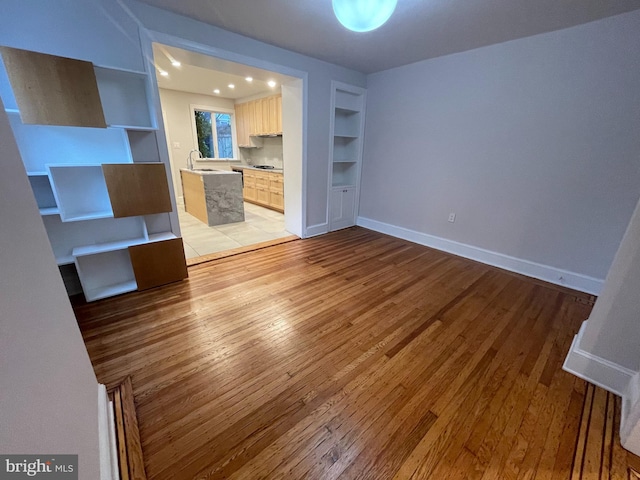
353,355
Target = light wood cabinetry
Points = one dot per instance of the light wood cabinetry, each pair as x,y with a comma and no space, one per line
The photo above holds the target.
260,117
264,188
99,190
347,132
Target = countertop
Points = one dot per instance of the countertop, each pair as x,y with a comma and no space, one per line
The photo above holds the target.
247,167
200,171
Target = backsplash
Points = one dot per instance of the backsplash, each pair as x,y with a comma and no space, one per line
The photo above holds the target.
269,154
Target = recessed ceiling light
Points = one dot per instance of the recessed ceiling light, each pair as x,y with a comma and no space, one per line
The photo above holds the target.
271,83
231,86
217,90
163,73
249,79
176,63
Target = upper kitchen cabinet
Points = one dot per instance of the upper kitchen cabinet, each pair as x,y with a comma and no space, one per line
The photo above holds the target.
347,133
261,117
51,90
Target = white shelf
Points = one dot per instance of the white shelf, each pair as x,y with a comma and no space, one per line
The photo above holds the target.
348,101
160,237
80,192
110,290
342,160
107,247
66,236
345,135
43,192
66,260
343,185
49,211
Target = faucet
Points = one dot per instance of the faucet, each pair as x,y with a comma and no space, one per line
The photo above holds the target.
190,160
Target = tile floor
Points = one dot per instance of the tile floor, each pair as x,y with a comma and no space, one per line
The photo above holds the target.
260,225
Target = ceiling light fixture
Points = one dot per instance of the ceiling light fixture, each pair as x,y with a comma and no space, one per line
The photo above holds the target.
249,79
231,86
271,83
217,90
163,73
175,63
363,15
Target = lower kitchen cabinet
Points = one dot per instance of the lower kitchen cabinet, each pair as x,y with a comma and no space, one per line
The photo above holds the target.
343,207
264,188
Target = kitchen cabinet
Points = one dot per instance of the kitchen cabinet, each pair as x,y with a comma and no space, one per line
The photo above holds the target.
258,117
264,188
347,133
100,190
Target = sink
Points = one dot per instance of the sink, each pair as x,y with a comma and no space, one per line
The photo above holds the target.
204,170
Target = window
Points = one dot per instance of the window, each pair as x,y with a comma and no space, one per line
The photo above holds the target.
214,133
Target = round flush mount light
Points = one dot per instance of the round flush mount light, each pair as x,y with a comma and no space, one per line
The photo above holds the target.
216,91
164,73
363,15
231,86
271,83
249,79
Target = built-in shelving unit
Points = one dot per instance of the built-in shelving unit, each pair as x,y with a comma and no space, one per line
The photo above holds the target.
86,162
347,133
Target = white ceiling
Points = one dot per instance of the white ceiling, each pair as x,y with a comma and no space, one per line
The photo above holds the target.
418,29
203,74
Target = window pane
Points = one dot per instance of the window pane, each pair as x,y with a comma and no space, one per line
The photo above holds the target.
223,129
205,135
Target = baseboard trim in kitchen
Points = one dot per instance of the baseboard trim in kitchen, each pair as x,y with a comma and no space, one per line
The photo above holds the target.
547,273
236,251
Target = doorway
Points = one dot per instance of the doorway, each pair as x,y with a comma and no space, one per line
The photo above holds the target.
205,102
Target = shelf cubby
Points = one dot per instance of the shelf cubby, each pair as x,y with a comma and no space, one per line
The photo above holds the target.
348,101
124,98
344,174
40,145
80,192
346,123
144,146
43,192
345,149
106,274
67,236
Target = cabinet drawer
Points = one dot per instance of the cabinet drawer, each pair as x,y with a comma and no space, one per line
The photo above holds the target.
249,193
276,200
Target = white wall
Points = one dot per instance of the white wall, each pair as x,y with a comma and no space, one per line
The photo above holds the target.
176,108
319,74
49,399
533,143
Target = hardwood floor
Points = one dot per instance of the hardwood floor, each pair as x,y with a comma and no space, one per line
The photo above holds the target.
351,355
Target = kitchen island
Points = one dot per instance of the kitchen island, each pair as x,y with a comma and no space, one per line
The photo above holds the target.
213,196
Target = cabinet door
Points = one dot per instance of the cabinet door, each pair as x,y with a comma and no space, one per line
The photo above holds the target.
137,188
158,263
262,194
276,201
240,131
258,117
342,207
52,90
278,120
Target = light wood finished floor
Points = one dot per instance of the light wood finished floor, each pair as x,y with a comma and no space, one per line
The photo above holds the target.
260,225
350,355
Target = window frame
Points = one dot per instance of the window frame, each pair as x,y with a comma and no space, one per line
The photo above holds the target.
234,138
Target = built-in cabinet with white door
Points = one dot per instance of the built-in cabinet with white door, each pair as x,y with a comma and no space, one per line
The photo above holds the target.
87,137
347,135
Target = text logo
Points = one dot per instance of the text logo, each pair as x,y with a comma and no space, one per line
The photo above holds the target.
50,467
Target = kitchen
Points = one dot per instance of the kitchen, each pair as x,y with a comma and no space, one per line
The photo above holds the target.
224,130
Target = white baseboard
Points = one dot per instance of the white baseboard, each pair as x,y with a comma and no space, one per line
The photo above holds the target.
597,370
315,230
106,438
547,273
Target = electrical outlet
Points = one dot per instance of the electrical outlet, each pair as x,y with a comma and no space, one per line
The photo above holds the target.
452,217
176,144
